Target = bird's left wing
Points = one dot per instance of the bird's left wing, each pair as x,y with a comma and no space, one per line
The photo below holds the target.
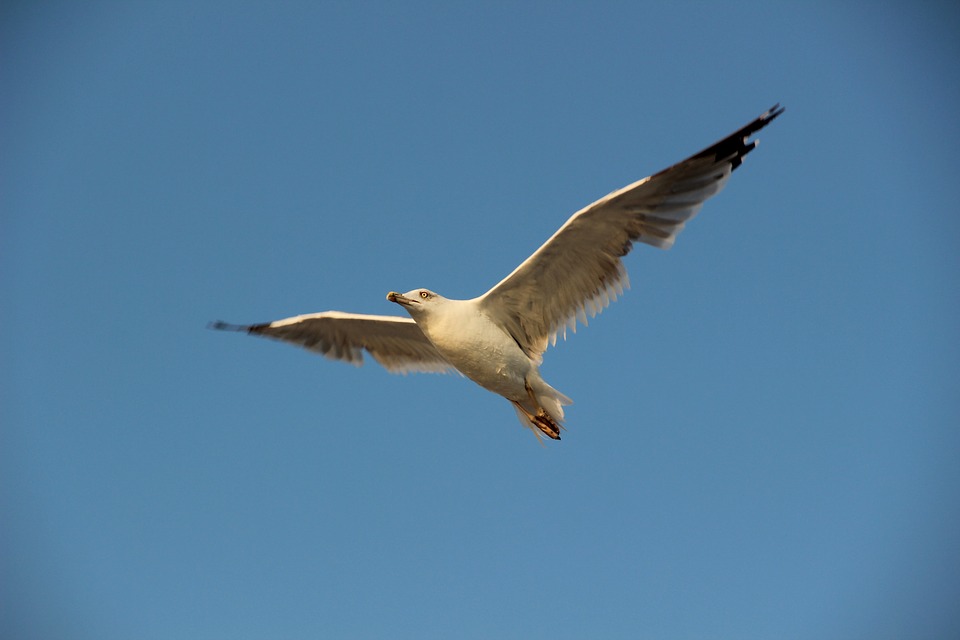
396,343
578,272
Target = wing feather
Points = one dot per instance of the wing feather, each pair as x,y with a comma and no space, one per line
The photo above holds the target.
578,271
395,342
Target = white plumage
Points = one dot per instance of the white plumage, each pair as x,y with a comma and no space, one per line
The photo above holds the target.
498,339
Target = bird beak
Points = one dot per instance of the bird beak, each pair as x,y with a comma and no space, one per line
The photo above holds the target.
393,296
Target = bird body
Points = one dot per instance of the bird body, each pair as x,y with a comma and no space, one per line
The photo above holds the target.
498,339
474,344
480,348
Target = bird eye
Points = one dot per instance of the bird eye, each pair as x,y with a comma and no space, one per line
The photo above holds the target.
424,295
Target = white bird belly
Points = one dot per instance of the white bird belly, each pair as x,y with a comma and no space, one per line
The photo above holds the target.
483,352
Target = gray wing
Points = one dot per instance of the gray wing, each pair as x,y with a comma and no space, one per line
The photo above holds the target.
578,272
396,343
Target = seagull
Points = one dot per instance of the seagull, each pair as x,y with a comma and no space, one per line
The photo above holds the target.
498,339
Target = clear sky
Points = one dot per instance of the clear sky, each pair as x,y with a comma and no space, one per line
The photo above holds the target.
764,441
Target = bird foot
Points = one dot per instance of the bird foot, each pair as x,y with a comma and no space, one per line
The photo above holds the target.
547,425
542,421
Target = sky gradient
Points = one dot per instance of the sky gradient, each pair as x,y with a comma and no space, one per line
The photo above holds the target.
764,439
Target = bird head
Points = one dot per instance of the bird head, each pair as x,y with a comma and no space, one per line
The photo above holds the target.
417,302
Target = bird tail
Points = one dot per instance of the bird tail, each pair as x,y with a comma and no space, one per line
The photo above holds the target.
542,410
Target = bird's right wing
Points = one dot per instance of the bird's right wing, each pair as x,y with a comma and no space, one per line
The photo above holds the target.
395,342
578,271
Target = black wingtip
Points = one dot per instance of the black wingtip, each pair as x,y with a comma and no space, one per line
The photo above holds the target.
736,146
772,112
220,325
762,120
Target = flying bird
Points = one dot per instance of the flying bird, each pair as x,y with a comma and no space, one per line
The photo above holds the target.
498,339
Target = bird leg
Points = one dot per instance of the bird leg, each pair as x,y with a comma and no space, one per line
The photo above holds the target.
524,411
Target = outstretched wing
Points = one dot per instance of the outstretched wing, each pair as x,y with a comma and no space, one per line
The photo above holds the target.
578,272
396,343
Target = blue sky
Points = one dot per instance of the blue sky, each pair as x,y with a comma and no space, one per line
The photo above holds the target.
764,439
